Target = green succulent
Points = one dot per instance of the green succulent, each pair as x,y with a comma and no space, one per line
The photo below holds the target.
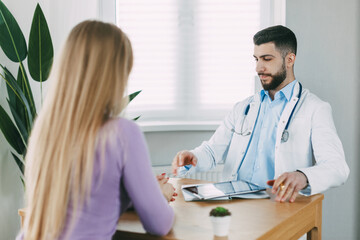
220,212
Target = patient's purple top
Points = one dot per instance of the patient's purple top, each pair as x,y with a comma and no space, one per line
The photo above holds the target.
127,179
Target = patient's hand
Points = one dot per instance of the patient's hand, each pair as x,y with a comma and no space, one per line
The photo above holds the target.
167,189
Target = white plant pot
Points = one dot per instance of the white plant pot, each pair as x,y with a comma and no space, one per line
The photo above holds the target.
221,225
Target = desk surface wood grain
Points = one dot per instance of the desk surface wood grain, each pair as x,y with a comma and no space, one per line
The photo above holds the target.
251,219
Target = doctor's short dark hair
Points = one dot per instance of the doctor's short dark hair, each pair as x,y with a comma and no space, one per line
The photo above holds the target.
283,38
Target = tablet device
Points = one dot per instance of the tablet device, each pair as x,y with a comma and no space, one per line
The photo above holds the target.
221,189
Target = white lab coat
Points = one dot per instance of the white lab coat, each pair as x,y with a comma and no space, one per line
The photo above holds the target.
313,146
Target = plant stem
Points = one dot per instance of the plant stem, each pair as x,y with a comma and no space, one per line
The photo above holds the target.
41,93
26,86
39,26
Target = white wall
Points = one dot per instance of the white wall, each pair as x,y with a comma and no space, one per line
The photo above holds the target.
327,63
163,146
62,16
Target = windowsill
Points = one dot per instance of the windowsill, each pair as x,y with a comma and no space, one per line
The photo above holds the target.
168,126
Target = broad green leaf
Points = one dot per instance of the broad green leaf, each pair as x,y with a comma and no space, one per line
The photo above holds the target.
20,108
19,123
134,119
10,132
22,180
20,163
12,39
11,94
133,95
19,94
23,82
15,104
41,51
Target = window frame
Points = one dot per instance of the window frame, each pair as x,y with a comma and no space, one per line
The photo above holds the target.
277,16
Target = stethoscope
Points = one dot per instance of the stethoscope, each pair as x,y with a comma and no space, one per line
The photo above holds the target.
285,133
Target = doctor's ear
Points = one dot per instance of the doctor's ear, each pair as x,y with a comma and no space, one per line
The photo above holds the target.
290,60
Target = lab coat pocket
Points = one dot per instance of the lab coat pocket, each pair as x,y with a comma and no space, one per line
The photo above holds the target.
299,141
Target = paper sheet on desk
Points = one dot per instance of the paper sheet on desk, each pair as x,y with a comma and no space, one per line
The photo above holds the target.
190,197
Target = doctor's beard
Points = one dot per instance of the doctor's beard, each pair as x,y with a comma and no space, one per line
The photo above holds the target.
277,79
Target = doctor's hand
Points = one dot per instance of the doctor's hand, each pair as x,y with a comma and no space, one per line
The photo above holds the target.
183,158
288,185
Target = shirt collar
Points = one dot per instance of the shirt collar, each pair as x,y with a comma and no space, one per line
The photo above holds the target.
286,91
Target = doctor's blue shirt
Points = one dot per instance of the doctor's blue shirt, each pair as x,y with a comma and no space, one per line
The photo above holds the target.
257,166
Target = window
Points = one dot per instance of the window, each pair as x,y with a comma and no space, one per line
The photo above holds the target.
192,58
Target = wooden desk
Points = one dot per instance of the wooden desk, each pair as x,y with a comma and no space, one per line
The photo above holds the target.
251,219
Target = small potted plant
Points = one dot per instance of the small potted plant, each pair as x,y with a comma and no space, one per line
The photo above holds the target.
220,218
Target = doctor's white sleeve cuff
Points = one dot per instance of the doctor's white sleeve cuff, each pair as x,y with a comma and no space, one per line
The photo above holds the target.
186,170
306,191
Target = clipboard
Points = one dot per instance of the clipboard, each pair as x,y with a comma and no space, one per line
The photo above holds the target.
223,191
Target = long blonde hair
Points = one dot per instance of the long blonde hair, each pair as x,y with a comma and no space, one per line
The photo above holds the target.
88,88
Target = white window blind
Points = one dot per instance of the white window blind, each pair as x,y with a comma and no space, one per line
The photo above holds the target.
192,58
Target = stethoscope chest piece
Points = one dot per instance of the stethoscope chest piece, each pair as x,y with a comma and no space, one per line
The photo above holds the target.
285,136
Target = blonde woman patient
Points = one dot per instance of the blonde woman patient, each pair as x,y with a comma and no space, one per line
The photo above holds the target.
85,165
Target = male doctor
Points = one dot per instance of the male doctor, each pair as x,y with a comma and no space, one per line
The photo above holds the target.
284,132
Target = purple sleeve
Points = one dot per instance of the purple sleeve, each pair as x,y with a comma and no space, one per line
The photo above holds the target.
141,185
20,235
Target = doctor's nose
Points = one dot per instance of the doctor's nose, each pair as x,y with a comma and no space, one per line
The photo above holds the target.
259,67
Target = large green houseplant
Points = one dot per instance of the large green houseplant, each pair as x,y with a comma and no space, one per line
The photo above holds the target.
39,53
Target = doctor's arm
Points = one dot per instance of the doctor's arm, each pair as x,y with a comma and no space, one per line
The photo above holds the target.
330,169
209,153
